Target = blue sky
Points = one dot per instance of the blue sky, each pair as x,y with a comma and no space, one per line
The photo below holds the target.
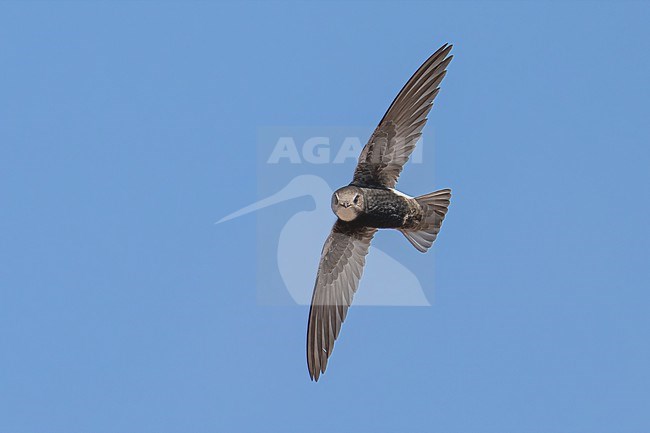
128,128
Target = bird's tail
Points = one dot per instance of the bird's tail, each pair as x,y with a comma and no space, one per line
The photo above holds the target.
434,205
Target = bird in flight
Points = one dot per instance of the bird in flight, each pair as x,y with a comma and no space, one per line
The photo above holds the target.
371,202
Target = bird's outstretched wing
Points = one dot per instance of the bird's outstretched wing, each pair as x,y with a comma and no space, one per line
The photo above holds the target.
341,266
393,141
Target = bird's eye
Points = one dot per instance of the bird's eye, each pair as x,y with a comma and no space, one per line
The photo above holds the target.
356,199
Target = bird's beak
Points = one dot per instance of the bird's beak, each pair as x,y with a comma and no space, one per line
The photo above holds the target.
289,192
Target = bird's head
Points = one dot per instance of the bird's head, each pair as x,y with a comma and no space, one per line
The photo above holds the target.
348,203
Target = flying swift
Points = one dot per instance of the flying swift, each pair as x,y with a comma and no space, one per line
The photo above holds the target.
371,202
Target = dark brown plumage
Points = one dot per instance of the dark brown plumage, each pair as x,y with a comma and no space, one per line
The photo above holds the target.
370,202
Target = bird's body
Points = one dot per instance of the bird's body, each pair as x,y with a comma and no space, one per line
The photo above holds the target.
371,202
386,208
